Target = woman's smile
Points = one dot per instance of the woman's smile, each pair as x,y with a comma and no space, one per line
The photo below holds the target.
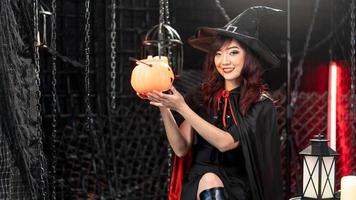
227,70
229,61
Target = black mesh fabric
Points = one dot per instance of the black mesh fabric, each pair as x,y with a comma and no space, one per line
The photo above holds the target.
19,166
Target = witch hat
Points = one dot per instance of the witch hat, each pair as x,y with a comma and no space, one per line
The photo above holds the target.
245,29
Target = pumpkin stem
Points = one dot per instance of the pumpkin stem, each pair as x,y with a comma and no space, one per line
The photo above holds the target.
134,59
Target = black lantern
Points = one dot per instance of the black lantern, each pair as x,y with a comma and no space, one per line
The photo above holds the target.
318,170
164,41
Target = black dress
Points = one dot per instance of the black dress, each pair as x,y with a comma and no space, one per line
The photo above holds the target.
231,167
228,166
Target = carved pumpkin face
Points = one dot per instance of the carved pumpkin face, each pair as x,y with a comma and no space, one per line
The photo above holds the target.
151,74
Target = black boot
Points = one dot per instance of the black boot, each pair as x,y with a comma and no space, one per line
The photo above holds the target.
216,193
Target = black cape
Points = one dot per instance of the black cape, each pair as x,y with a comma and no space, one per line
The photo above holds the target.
258,135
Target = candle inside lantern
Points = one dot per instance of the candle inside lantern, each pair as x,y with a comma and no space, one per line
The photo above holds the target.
348,188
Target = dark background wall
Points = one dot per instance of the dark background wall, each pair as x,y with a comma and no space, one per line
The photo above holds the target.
190,14
136,17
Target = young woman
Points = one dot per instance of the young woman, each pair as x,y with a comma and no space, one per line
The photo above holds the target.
229,129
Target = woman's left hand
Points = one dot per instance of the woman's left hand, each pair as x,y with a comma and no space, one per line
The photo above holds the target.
173,101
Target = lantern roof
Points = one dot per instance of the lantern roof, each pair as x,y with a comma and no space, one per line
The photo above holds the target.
319,147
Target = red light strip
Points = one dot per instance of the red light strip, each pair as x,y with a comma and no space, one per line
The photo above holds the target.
331,131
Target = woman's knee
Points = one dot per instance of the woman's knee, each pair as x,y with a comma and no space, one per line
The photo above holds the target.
209,180
210,187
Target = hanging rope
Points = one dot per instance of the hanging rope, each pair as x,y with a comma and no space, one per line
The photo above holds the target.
54,98
226,16
299,69
87,64
63,58
38,98
352,87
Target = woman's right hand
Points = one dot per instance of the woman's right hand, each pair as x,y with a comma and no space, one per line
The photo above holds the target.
174,101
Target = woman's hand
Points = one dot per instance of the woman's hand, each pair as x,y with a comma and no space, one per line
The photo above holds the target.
174,101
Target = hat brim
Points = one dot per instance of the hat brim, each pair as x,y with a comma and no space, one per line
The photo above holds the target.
205,37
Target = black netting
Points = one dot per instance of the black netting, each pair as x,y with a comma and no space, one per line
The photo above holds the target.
124,156
11,184
20,149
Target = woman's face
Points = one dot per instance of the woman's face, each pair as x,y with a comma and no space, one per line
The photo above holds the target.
229,60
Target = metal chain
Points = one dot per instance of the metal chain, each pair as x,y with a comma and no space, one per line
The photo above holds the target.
170,51
113,45
113,55
169,162
226,16
166,11
87,62
38,98
161,11
299,69
170,58
54,98
160,26
352,87
164,19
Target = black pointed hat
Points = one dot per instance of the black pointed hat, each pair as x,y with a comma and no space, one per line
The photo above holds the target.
244,28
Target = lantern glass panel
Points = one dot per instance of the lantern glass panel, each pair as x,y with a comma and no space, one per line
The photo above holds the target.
310,176
328,171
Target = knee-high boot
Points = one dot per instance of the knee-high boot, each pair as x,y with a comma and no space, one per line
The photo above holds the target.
216,193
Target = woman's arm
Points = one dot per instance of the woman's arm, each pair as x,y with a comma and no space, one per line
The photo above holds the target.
180,138
219,138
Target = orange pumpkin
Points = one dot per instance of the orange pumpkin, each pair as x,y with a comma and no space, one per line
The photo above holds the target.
151,74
